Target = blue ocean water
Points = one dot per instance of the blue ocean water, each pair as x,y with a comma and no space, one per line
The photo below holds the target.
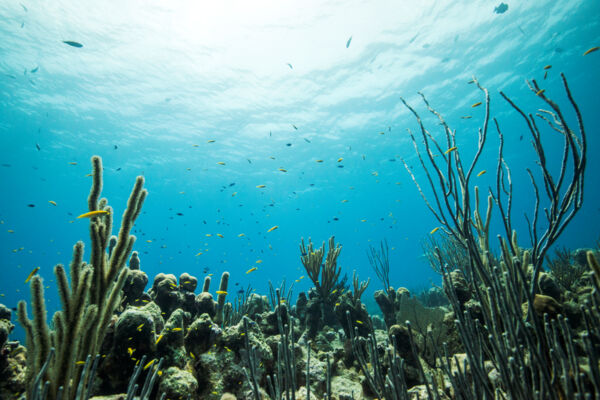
169,90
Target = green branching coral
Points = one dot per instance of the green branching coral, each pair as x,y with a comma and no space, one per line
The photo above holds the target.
88,302
323,275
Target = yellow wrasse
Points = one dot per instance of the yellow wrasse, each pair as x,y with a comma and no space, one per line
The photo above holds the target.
159,338
302,277
241,235
273,228
251,270
149,364
148,241
476,104
130,351
139,328
52,202
548,67
593,49
260,186
221,292
340,159
176,329
434,230
195,145
93,214
283,169
220,163
482,172
80,363
208,235
259,261
219,235
359,322
210,141
192,355
31,274
319,161
227,348
539,92
198,254
451,149
72,163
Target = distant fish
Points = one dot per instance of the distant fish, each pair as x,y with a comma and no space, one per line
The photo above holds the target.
24,8
412,39
72,43
290,65
221,292
434,230
295,127
93,214
260,186
501,8
481,172
37,146
273,228
306,140
251,270
30,205
52,202
451,149
348,42
115,147
593,49
476,104
33,71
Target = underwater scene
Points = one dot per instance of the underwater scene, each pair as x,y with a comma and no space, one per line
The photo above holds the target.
277,200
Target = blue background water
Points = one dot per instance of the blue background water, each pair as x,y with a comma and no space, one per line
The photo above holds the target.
155,79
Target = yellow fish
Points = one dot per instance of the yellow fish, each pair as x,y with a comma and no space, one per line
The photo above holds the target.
233,194
273,228
319,161
52,202
258,261
340,159
593,49
344,201
434,230
72,163
208,235
451,149
359,322
548,67
198,254
363,220
176,329
241,235
80,363
221,292
227,348
302,277
149,364
219,235
148,241
482,172
260,186
251,270
192,355
210,141
159,338
195,145
476,104
283,169
130,351
93,214
220,163
139,328
31,274
540,92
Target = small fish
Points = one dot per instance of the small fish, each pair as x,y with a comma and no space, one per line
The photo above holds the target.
476,104
593,49
348,42
290,65
259,261
359,322
192,355
260,186
221,292
159,338
220,235
130,351
93,214
139,328
295,127
319,161
149,364
540,92
340,159
79,362
466,117
481,173
176,330
283,169
195,145
208,235
307,141
545,74
451,149
251,270
31,205
547,67
72,43
73,163
31,274
344,201
501,8
434,230
241,235
227,348
220,163
273,228
37,146
210,141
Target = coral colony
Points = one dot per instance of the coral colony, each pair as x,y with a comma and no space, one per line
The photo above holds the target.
501,327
